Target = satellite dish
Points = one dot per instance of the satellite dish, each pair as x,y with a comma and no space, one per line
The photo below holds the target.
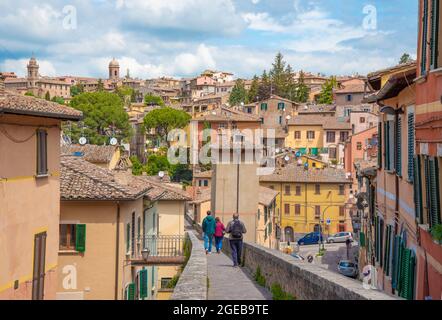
161,174
82,141
113,141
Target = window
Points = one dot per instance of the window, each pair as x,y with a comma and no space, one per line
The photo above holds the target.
298,190
398,143
380,145
349,97
310,135
42,152
331,137
287,209
280,119
297,209
341,189
389,144
343,136
410,146
332,153
362,120
287,190
67,236
206,183
434,41
298,135
317,189
424,38
317,211
432,188
263,106
281,106
341,211
359,146
165,283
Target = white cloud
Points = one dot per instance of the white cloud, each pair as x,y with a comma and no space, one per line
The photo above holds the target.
19,67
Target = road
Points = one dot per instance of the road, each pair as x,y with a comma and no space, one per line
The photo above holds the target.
335,252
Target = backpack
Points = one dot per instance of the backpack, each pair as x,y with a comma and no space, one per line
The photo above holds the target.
236,230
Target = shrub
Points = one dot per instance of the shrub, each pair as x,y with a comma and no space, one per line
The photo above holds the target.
279,294
259,278
436,232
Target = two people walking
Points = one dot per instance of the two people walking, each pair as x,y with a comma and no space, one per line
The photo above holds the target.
215,228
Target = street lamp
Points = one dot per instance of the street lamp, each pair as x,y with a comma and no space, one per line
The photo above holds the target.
145,254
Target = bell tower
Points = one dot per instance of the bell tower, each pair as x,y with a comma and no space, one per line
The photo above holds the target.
114,70
32,73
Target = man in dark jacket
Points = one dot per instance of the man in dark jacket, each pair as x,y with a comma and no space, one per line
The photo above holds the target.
209,225
236,229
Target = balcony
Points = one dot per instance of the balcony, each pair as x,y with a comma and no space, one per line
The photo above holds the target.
160,250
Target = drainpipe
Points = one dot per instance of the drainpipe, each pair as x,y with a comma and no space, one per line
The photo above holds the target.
117,249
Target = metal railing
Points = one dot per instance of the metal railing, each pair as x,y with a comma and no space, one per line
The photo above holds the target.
163,246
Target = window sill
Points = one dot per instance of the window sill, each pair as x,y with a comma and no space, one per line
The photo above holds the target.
437,72
421,79
40,176
69,252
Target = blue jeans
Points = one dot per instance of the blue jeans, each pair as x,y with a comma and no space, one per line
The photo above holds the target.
236,246
219,243
208,242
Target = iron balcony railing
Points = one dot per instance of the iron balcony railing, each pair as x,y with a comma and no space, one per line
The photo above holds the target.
163,246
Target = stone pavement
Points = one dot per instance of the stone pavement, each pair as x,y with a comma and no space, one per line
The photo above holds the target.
228,283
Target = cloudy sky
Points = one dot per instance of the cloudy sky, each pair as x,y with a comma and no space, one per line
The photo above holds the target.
183,37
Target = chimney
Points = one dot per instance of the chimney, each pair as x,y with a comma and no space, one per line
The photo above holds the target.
2,86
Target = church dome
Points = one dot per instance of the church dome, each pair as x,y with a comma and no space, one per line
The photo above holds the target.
114,63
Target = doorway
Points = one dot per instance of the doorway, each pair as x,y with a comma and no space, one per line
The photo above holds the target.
38,275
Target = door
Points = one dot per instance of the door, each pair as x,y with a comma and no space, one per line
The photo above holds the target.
38,275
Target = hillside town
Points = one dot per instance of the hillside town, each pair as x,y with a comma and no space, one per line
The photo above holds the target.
106,183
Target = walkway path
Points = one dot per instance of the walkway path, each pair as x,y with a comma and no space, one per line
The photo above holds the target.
228,283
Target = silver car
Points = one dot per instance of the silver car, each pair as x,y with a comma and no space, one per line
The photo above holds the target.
340,237
348,268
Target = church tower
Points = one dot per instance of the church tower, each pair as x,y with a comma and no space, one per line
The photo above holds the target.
32,73
114,70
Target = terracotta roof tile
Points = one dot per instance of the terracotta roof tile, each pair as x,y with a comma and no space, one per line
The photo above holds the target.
91,153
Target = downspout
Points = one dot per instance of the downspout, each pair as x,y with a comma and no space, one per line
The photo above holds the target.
117,249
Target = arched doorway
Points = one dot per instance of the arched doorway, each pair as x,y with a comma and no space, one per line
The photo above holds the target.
289,234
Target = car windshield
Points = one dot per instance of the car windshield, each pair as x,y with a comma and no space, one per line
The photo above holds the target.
347,264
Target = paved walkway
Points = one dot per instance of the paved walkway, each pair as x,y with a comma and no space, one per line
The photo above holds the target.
228,283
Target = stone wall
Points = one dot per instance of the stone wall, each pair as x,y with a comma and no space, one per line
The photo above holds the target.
192,284
303,280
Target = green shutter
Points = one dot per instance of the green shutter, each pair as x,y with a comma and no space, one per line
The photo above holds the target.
387,144
434,43
143,283
361,239
80,238
396,261
380,145
418,188
130,291
424,38
376,237
434,207
387,250
411,147
127,237
408,263
398,158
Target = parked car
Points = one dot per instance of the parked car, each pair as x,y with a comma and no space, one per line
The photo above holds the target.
348,268
340,237
297,256
311,238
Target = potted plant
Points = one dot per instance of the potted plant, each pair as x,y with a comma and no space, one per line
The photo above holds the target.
436,233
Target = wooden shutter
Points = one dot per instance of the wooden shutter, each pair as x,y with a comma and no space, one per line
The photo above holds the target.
387,250
398,141
380,145
418,188
42,153
434,207
80,238
128,238
131,291
408,263
411,147
396,261
424,38
376,237
362,239
434,43
143,283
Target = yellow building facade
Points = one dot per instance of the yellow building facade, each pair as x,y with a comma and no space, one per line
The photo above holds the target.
309,199
305,137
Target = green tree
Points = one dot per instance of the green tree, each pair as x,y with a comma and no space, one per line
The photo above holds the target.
238,94
164,120
302,91
59,100
289,86
405,58
254,90
47,96
278,75
264,87
126,94
103,117
326,95
29,94
100,85
77,89
152,100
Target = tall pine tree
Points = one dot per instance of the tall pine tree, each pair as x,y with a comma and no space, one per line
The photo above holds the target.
254,90
302,91
238,94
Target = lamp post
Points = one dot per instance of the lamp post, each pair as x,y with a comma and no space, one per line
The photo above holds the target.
145,254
